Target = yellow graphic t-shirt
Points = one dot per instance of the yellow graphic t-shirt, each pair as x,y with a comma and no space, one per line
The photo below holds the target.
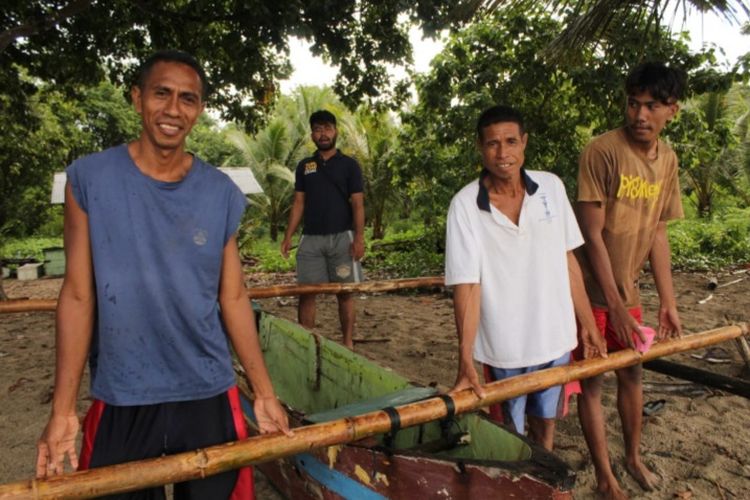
637,194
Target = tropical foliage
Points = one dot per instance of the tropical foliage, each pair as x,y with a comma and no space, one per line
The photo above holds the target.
269,155
59,57
372,138
588,23
702,137
243,44
498,60
711,243
56,130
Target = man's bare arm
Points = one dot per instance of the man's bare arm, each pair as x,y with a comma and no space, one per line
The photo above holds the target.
592,340
295,217
74,327
358,214
661,266
239,321
592,218
466,305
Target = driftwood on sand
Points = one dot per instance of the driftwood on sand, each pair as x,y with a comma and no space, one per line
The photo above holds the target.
200,463
723,382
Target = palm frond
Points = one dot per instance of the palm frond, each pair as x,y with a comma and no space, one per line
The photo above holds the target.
589,22
281,172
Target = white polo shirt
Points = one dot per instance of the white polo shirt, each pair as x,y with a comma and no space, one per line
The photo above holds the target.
526,310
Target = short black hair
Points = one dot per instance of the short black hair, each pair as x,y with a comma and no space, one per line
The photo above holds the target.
664,83
322,116
176,56
499,114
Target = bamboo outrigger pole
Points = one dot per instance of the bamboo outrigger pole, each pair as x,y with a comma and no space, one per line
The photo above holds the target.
200,463
27,305
14,306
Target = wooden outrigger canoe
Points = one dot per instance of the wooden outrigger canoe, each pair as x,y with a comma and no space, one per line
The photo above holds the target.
466,456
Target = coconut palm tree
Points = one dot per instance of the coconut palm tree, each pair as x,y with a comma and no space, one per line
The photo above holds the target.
736,166
371,137
268,154
712,142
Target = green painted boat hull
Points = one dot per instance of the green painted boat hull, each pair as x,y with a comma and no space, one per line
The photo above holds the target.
321,380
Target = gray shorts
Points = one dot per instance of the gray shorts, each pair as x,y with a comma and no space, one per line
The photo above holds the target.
326,259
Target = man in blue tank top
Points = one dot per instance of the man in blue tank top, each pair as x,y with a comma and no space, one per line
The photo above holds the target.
153,294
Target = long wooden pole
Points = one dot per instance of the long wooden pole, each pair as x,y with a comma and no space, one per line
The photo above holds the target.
330,288
14,306
200,463
27,305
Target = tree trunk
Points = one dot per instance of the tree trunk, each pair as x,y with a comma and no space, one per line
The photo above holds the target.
2,292
378,230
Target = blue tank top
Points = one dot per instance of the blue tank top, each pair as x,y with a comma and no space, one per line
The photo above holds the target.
157,254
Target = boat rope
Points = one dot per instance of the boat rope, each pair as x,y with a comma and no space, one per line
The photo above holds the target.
450,405
394,417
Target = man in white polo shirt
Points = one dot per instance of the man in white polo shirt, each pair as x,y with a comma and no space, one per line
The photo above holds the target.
517,287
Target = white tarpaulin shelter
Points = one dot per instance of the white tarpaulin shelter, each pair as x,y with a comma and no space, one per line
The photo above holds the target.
58,188
242,176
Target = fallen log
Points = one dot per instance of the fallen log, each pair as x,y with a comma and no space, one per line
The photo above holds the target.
700,376
205,462
14,306
371,340
686,389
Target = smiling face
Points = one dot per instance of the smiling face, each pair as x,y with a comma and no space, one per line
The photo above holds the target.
646,117
169,102
502,147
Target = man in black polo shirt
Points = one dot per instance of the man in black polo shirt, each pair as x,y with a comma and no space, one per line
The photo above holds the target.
328,192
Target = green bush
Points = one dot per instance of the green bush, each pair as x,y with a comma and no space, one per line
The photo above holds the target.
27,248
53,226
259,248
416,251
700,244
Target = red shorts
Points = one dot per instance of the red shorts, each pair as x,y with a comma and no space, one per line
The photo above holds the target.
605,328
117,434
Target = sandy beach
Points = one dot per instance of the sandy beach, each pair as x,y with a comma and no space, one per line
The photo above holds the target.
697,443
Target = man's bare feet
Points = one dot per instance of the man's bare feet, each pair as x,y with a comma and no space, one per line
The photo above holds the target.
612,492
644,477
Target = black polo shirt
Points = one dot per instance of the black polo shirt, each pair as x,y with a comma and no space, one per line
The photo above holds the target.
328,186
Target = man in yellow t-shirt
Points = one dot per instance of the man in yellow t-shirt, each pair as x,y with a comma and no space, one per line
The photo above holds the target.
628,189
